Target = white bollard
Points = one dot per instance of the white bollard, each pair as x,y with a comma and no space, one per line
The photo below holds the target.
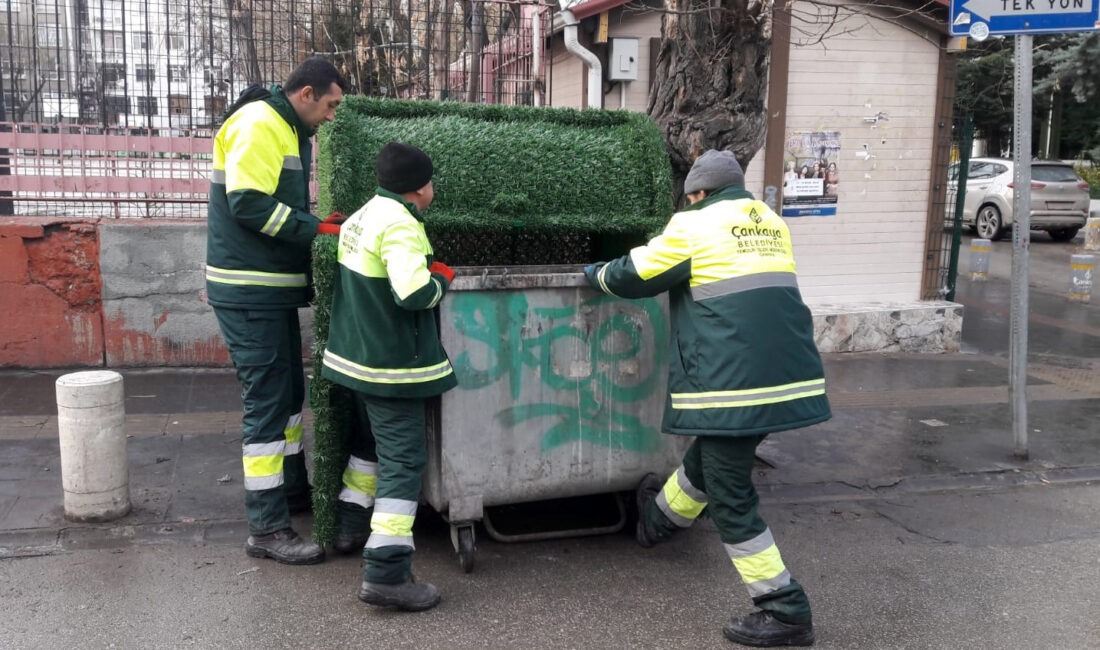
1092,232
1080,277
91,417
980,250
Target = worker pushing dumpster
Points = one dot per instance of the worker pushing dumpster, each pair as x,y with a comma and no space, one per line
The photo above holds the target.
561,389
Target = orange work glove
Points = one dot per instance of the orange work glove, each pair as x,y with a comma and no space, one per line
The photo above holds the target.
442,269
336,217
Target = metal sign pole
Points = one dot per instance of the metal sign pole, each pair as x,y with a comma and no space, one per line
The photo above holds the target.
1021,215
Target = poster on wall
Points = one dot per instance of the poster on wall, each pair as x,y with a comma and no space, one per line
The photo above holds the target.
811,173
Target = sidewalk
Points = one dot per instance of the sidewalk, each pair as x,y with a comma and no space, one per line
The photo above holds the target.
902,422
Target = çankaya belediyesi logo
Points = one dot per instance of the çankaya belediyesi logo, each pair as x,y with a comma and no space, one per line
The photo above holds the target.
755,230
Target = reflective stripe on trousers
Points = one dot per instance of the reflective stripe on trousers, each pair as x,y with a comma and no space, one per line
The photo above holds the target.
293,433
360,480
392,523
263,465
759,563
681,501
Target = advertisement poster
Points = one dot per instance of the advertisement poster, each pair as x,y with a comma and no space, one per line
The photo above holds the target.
811,173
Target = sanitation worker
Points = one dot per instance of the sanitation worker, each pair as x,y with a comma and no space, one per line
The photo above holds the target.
257,276
384,345
742,364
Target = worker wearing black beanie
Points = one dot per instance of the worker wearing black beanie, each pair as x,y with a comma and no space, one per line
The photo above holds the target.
402,168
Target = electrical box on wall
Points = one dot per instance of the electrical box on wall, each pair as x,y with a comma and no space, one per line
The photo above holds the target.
623,65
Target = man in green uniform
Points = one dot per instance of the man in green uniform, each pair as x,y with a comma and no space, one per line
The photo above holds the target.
742,364
384,345
257,276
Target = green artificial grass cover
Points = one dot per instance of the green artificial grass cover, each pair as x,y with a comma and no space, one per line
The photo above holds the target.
513,186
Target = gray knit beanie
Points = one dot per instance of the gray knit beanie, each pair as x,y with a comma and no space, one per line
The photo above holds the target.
712,170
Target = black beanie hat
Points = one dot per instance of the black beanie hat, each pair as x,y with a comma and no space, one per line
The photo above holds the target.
402,168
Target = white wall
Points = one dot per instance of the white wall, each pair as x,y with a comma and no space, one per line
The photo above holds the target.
873,249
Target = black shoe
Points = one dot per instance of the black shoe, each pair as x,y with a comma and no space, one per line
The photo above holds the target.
409,596
761,629
647,490
348,543
284,546
301,502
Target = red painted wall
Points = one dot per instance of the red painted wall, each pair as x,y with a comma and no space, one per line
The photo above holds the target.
50,293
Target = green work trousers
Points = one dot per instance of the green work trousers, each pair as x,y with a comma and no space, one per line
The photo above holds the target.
392,433
718,474
266,349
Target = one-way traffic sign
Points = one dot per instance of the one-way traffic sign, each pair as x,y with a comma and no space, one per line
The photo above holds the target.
981,18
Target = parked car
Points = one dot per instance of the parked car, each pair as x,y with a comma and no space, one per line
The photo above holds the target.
1059,198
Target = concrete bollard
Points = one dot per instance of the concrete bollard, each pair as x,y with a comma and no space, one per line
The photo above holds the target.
1080,277
95,474
1092,232
980,250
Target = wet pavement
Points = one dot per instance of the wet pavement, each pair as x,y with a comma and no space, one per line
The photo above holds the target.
907,516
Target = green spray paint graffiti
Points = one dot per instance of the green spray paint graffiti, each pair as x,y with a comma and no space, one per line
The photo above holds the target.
506,339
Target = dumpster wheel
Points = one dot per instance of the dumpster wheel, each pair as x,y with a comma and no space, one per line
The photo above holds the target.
462,537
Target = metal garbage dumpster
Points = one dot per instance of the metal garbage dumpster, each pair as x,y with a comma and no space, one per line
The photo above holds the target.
561,392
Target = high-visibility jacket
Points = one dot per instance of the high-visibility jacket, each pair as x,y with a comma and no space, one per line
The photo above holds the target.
259,227
383,339
742,359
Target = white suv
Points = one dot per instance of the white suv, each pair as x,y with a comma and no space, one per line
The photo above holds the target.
1059,198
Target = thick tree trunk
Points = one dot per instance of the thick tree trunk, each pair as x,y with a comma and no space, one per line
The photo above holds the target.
711,78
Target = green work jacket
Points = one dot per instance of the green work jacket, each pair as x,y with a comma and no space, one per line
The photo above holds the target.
259,228
742,359
383,339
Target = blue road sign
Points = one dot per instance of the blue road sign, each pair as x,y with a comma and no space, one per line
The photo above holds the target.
982,18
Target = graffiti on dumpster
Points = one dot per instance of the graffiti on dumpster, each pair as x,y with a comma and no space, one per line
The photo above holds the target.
507,339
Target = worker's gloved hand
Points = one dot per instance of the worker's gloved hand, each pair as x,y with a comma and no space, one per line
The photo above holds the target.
336,218
325,228
442,269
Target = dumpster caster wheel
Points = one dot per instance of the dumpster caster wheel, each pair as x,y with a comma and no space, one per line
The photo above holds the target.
463,539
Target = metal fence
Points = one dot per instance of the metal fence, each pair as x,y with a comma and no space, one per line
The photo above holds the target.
107,106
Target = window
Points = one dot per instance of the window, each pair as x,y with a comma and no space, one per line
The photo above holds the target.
48,35
147,105
117,104
144,73
141,40
179,104
176,42
178,72
214,104
113,42
113,73
981,170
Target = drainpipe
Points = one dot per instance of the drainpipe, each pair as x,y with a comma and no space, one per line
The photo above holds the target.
536,51
595,70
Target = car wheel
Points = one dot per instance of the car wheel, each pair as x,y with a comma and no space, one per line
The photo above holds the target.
988,223
1063,234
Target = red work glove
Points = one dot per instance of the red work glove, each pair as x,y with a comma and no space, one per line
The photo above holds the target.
336,218
442,269
325,228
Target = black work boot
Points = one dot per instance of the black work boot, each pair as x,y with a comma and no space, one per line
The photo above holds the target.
409,595
284,546
648,489
301,502
348,543
761,629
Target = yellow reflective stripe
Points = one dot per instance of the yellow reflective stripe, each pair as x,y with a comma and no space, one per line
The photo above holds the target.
391,525
387,375
263,465
293,429
359,481
276,220
765,565
760,564
675,502
749,396
255,278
